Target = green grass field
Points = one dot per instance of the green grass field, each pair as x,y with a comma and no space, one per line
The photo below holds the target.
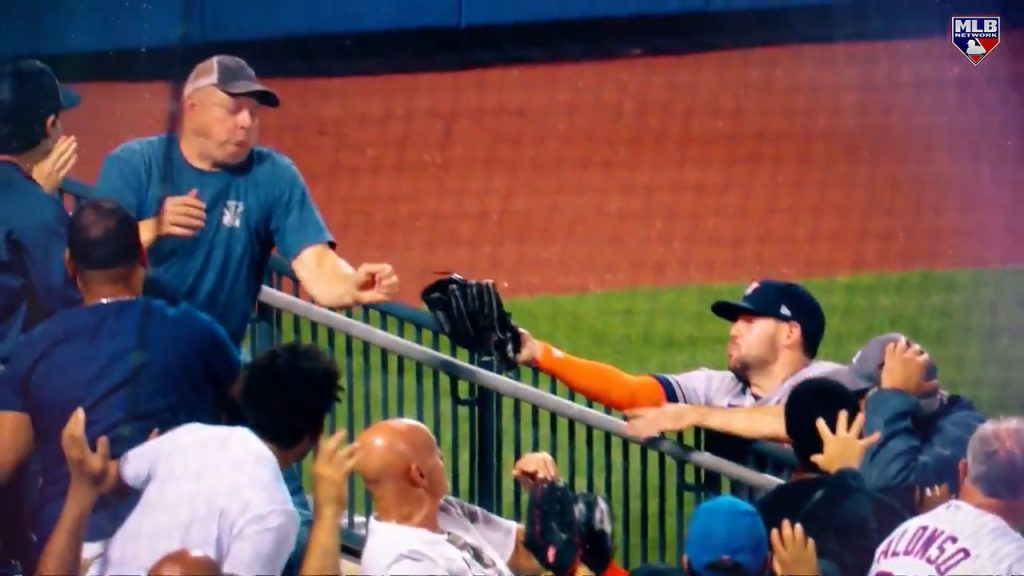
970,322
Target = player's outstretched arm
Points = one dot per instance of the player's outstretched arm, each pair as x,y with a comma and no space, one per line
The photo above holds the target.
332,282
602,383
754,422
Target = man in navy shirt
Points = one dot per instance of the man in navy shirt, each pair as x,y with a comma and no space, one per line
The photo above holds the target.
33,224
135,364
212,206
33,282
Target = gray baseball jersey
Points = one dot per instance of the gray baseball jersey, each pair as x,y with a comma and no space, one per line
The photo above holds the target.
721,388
955,538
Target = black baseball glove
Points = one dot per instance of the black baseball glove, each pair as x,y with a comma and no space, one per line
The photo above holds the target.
594,529
552,529
471,313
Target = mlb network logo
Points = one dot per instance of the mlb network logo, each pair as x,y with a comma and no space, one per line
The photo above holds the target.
975,36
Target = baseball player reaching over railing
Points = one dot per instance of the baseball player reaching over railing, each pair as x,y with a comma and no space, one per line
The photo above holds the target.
777,328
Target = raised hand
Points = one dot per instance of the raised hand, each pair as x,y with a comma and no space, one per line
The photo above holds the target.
90,470
793,552
845,448
535,468
52,170
331,469
904,368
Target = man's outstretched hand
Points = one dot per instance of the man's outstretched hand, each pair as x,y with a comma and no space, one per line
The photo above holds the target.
375,283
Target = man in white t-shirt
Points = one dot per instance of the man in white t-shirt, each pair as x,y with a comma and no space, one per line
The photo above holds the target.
416,528
219,490
977,533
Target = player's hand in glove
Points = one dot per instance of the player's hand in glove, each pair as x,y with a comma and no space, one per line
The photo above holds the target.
471,313
529,349
552,530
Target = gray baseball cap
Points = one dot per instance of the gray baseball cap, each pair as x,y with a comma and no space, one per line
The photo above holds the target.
231,75
865,370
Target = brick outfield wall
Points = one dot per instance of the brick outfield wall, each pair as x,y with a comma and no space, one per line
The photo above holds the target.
800,160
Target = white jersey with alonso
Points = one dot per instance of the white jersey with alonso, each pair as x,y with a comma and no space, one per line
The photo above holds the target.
955,538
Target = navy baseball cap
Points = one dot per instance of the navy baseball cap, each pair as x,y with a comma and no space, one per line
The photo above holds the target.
231,75
865,370
786,301
726,532
29,94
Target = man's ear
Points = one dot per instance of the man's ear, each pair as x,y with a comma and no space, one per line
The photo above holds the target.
794,334
52,125
189,102
962,471
417,477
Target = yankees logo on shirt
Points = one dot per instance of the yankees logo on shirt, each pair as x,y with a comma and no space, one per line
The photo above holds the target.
233,213
955,538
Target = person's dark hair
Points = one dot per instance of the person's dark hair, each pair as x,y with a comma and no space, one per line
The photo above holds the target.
812,399
23,113
103,235
287,393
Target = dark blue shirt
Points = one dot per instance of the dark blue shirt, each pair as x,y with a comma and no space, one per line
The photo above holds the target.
916,450
133,365
250,209
33,236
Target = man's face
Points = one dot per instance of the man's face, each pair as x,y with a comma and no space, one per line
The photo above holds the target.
754,344
228,124
437,479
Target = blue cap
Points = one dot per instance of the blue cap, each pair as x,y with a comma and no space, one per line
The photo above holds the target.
785,301
29,93
726,530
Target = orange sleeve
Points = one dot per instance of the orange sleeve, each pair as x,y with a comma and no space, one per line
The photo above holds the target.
613,569
599,382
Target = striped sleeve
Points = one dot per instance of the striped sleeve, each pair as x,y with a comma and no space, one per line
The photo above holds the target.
701,387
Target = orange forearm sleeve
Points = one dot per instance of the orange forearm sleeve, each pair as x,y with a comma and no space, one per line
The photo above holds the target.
599,382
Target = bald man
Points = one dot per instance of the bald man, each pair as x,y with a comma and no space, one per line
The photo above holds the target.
416,527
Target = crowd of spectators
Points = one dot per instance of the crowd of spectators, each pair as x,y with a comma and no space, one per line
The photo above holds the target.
137,439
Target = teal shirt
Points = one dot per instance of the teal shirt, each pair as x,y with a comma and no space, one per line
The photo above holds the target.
251,209
34,284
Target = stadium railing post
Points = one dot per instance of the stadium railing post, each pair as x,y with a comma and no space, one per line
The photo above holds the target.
486,461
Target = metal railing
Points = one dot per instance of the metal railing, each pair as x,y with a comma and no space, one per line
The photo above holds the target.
650,485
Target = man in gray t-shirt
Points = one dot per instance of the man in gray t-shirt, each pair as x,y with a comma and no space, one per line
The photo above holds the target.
776,330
